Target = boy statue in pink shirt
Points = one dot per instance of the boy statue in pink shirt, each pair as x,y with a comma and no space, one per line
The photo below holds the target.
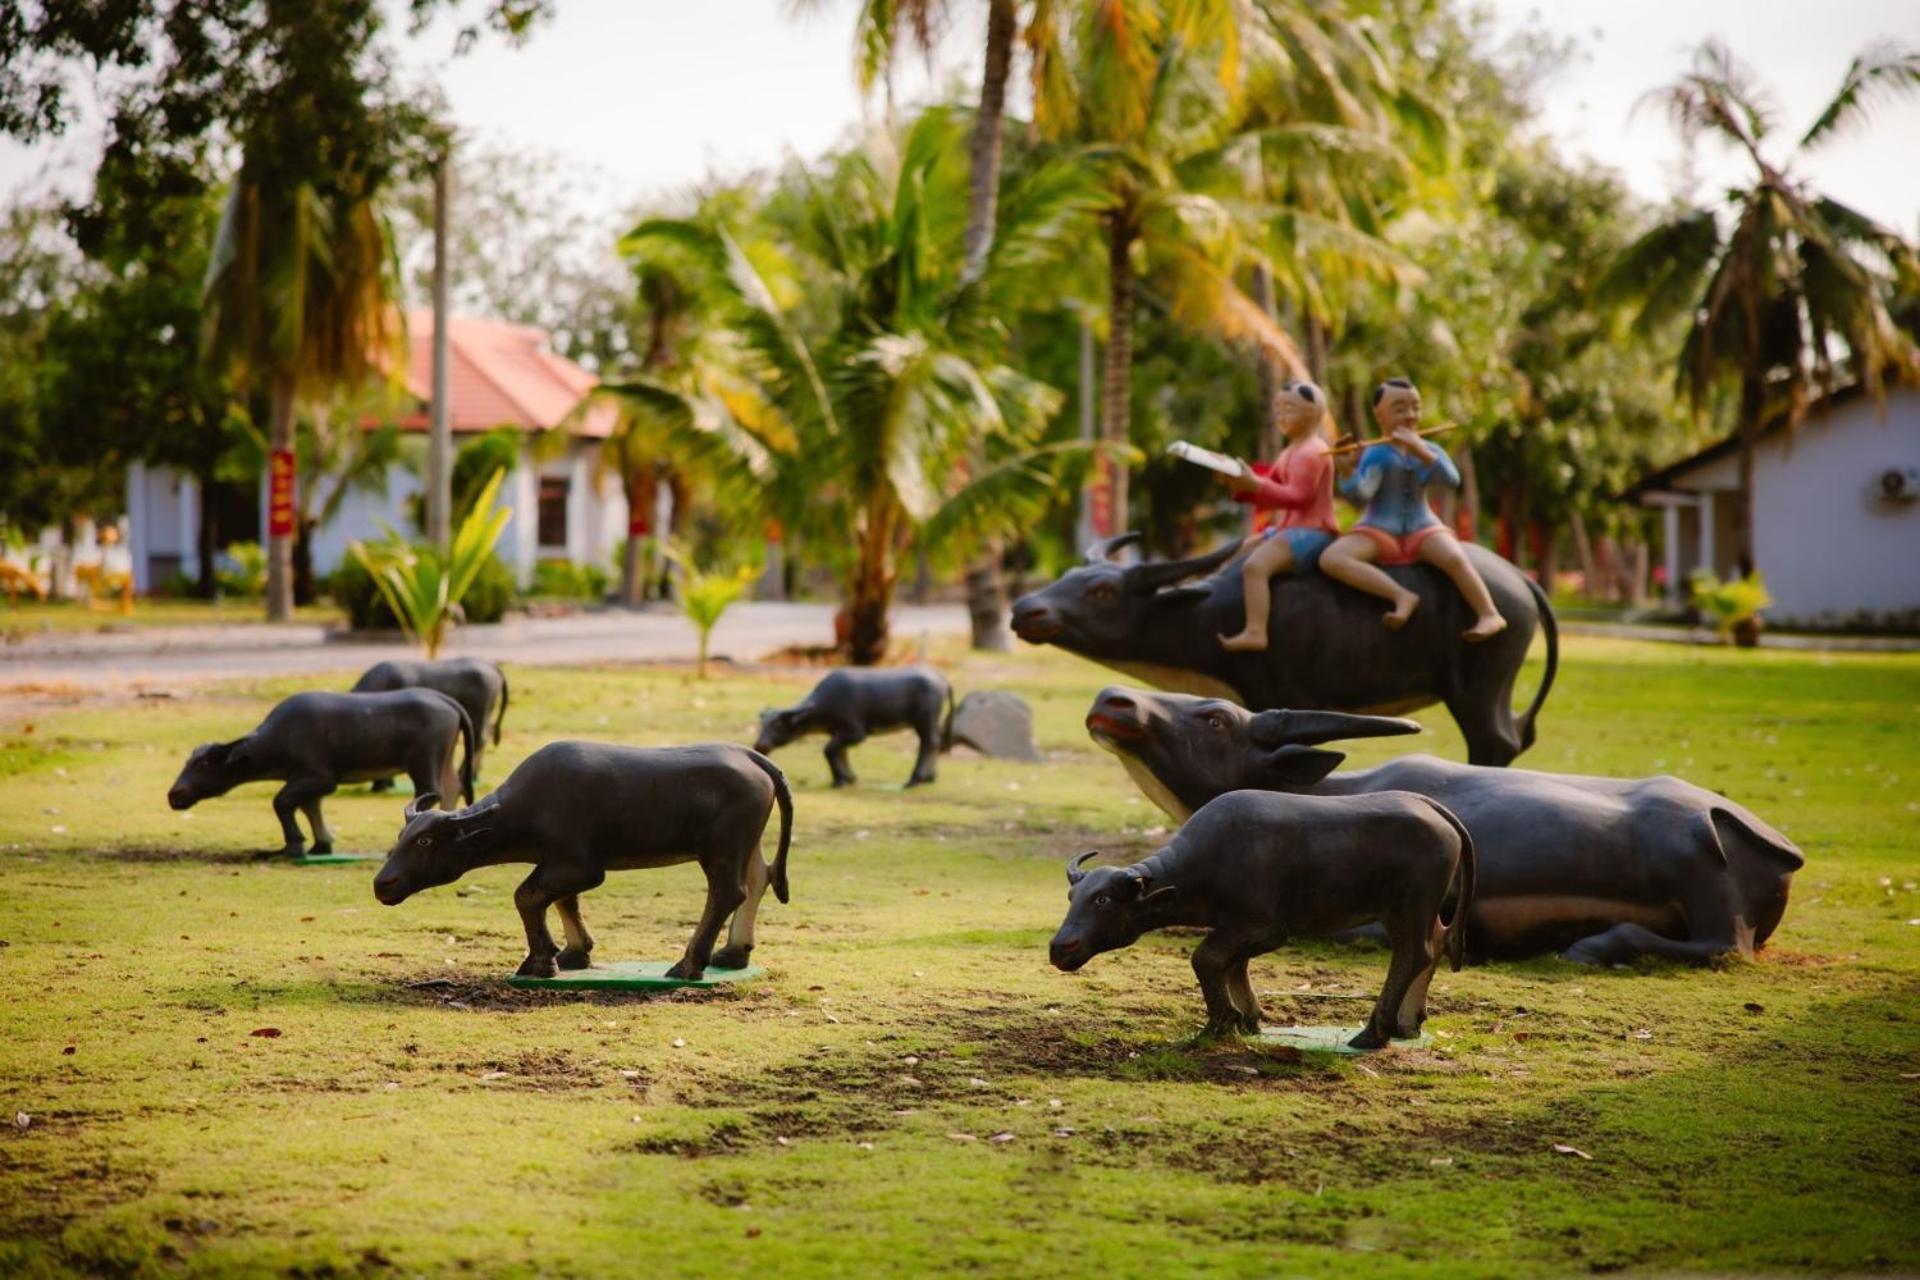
1297,487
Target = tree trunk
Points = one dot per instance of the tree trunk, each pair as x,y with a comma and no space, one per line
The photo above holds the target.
1466,519
1316,344
1547,539
1117,375
440,429
983,180
871,592
1269,368
1590,584
303,561
1744,563
643,489
987,602
280,546
1638,557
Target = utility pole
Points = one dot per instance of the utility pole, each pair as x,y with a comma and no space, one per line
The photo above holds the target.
440,434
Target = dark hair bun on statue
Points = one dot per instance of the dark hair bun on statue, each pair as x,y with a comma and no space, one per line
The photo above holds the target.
1381,390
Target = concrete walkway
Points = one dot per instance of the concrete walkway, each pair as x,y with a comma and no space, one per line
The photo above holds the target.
164,656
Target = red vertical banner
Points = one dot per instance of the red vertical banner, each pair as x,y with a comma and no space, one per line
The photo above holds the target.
638,525
1100,496
280,493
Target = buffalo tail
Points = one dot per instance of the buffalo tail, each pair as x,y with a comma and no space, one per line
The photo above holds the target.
783,796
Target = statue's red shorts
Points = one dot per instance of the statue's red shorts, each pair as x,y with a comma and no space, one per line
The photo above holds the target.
1397,550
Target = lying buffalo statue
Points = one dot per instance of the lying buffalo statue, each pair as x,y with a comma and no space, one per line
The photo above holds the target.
578,810
315,741
1257,868
1327,646
477,684
1602,870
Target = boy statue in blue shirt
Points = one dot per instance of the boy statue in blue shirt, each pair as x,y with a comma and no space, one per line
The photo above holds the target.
1398,526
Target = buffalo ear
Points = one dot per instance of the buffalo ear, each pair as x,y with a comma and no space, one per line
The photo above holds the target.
1298,766
239,751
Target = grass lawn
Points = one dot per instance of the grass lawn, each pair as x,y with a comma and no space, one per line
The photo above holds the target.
29,617
227,1066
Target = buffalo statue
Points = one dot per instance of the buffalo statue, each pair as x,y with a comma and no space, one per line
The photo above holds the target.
1327,647
1601,870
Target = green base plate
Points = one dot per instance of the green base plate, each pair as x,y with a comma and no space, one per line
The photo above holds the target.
634,975
332,859
1327,1039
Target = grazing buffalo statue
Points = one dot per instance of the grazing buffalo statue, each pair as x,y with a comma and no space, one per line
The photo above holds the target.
1327,646
578,810
850,704
477,684
1257,868
315,741
1601,870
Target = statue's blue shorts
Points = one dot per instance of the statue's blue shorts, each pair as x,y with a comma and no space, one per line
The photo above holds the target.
1307,544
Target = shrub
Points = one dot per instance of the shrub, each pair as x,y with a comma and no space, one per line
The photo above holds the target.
353,589
570,581
242,569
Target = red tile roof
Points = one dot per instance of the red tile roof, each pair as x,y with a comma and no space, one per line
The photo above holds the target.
498,375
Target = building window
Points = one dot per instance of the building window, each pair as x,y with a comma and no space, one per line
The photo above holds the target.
553,512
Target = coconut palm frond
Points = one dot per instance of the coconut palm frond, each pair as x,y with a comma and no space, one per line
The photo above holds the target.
1881,74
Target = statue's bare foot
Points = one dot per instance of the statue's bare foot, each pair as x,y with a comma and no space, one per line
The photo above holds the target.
1402,610
1245,642
1491,625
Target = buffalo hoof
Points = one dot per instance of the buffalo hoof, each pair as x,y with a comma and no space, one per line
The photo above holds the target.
686,972
1584,953
284,851
730,958
571,959
538,967
919,782
1369,1039
322,847
844,782
1250,1025
1220,1029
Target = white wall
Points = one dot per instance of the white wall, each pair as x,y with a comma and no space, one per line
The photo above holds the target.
163,518
1825,541
365,517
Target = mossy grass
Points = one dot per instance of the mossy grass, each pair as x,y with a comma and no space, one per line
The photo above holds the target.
233,1066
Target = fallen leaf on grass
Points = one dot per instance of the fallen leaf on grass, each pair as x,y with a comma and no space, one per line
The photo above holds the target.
1561,1148
963,1137
1001,1137
678,1043
21,1120
1441,1161
1245,1071
266,1033
493,1075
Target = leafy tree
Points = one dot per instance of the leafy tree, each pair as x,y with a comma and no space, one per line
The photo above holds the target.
886,362
1156,90
1787,289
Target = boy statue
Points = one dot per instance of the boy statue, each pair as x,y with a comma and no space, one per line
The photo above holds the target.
1398,526
1298,485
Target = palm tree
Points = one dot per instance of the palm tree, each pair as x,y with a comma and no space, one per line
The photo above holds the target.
299,302
879,31
884,359
1787,288
691,411
1155,90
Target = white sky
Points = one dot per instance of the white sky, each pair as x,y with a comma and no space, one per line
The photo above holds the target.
658,94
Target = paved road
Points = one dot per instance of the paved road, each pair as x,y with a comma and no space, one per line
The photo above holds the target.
179,655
